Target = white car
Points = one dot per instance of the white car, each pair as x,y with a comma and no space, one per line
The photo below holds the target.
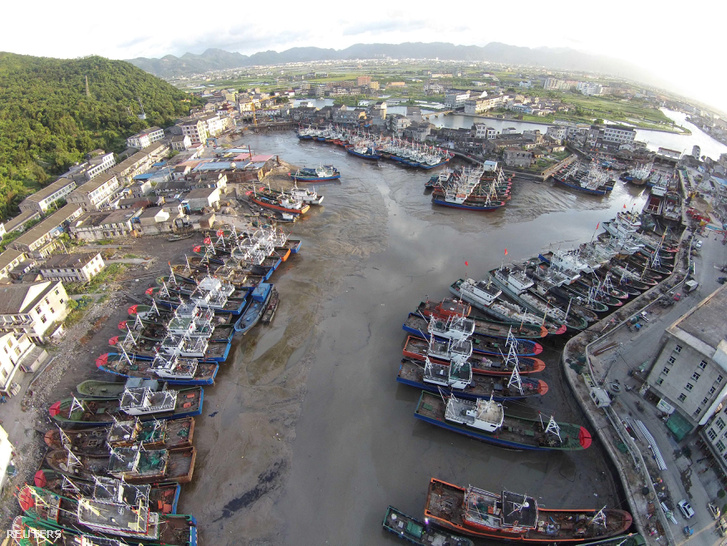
686,509
713,510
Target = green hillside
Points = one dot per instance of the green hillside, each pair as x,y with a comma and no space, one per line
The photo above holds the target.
48,122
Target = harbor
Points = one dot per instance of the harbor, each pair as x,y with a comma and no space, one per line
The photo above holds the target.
309,404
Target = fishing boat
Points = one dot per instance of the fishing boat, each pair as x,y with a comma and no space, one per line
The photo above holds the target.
278,202
449,307
460,329
182,345
485,297
486,420
143,402
418,348
517,517
27,531
515,284
173,369
158,434
317,174
107,516
585,178
132,464
457,377
163,497
259,299
416,532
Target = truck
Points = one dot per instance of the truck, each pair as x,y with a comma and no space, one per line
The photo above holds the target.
690,285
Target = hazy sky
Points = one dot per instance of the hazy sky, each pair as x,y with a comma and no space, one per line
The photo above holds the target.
682,43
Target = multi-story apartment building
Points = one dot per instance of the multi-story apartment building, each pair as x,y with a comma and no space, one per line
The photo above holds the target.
33,309
690,372
145,138
41,238
9,260
80,267
98,162
46,197
95,193
455,99
199,130
617,134
17,352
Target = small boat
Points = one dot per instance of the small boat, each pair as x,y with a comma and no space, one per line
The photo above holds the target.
135,401
416,532
318,174
517,517
271,307
486,420
27,531
458,378
259,299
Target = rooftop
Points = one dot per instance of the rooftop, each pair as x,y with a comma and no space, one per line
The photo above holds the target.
704,327
50,189
66,261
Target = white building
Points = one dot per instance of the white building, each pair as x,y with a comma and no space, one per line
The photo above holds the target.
145,138
690,373
33,308
484,132
455,99
95,193
80,267
617,134
17,353
6,455
46,197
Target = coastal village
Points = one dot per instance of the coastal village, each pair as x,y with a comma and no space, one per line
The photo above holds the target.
186,230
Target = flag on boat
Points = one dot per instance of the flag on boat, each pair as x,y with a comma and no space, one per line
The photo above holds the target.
505,252
466,262
598,225
207,241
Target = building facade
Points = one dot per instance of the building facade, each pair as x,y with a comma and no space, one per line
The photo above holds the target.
94,194
145,138
690,372
34,309
72,267
53,193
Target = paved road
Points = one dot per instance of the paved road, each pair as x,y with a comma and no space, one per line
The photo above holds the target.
685,478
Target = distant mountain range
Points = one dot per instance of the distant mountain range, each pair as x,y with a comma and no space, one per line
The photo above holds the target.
550,58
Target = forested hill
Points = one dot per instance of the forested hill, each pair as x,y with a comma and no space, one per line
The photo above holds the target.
48,121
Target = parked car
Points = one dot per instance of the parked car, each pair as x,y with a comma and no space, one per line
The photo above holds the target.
686,508
721,280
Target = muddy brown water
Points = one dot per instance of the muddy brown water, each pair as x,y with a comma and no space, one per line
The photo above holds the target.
306,436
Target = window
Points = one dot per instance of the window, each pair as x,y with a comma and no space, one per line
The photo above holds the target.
702,364
660,381
711,390
720,446
711,434
689,387
672,360
665,371
697,411
720,423
678,348
695,376
719,379
43,319
682,397
705,400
